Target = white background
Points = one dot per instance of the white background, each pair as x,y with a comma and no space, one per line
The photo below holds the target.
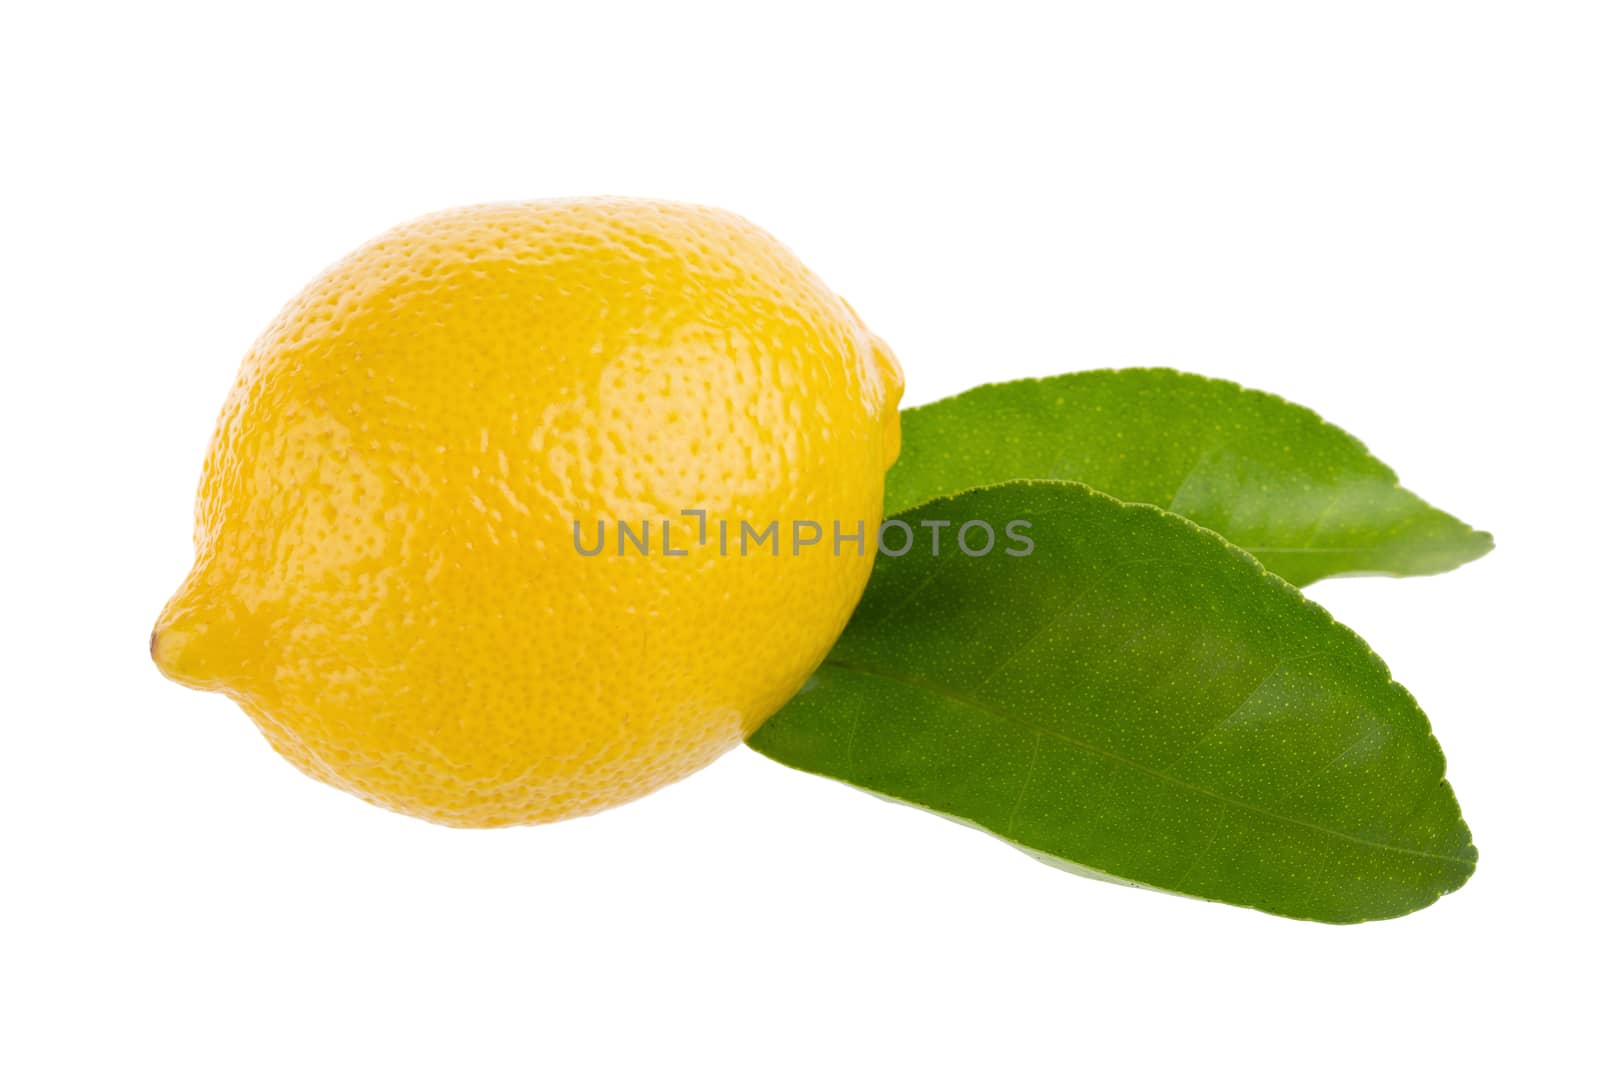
1388,211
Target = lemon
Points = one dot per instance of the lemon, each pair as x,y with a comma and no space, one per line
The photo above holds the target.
525,510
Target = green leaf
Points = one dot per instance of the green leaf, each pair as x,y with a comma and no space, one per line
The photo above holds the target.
1135,699
1302,496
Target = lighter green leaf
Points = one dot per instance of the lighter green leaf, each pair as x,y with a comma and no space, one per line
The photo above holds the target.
1137,699
1303,496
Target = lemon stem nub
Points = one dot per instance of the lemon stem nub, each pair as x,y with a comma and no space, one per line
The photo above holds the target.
187,647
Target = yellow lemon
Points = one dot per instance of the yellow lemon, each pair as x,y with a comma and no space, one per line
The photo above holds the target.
525,510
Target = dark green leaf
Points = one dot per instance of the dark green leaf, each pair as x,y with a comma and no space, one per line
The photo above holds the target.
1136,699
1302,496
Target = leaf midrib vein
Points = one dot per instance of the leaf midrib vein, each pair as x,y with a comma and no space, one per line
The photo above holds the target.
951,695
